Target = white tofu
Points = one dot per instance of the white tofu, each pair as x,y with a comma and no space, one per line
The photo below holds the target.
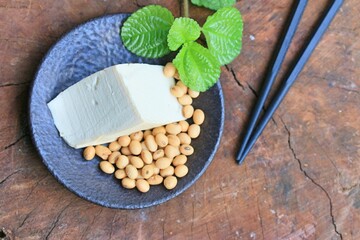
113,102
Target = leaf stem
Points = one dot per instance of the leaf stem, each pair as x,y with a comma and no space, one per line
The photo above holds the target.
186,8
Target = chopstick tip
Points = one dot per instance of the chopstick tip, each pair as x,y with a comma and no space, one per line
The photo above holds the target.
240,159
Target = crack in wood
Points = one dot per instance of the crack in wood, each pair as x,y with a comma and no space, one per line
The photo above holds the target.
14,84
7,177
26,218
311,179
254,92
231,70
53,225
35,186
16,141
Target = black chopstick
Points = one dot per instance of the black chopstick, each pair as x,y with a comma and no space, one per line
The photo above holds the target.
305,55
275,67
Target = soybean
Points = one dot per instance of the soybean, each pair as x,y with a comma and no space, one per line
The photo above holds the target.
198,116
169,70
158,130
147,133
185,100
173,128
171,151
124,141
138,136
161,140
107,167
193,94
184,125
151,143
181,171
163,163
155,180
187,150
179,160
173,140
89,153
170,182
182,86
120,174
158,154
114,146
142,185
102,151
169,171
131,171
147,171
177,91
146,156
125,151
184,138
113,156
136,162
122,161
188,111
128,183
194,130
135,147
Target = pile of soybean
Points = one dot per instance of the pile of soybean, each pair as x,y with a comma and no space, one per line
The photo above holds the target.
155,156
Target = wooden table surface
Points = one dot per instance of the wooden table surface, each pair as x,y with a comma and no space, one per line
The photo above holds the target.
301,181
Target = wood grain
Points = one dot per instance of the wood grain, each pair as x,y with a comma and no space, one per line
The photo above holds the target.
301,181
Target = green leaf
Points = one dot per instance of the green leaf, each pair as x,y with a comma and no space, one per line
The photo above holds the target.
182,31
145,31
223,33
197,67
214,4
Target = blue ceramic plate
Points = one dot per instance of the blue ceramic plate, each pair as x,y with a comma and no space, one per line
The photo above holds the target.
87,49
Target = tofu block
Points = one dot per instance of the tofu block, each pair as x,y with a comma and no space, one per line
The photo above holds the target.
113,102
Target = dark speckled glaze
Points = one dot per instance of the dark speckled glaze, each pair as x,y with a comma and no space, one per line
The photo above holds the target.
85,50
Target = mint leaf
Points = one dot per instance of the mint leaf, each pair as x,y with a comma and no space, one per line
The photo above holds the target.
214,4
145,31
197,67
223,33
182,31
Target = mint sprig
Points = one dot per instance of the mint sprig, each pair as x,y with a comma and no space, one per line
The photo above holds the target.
145,31
153,32
197,67
223,33
214,4
182,31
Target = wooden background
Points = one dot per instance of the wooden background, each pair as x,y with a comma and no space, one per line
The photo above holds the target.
301,181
